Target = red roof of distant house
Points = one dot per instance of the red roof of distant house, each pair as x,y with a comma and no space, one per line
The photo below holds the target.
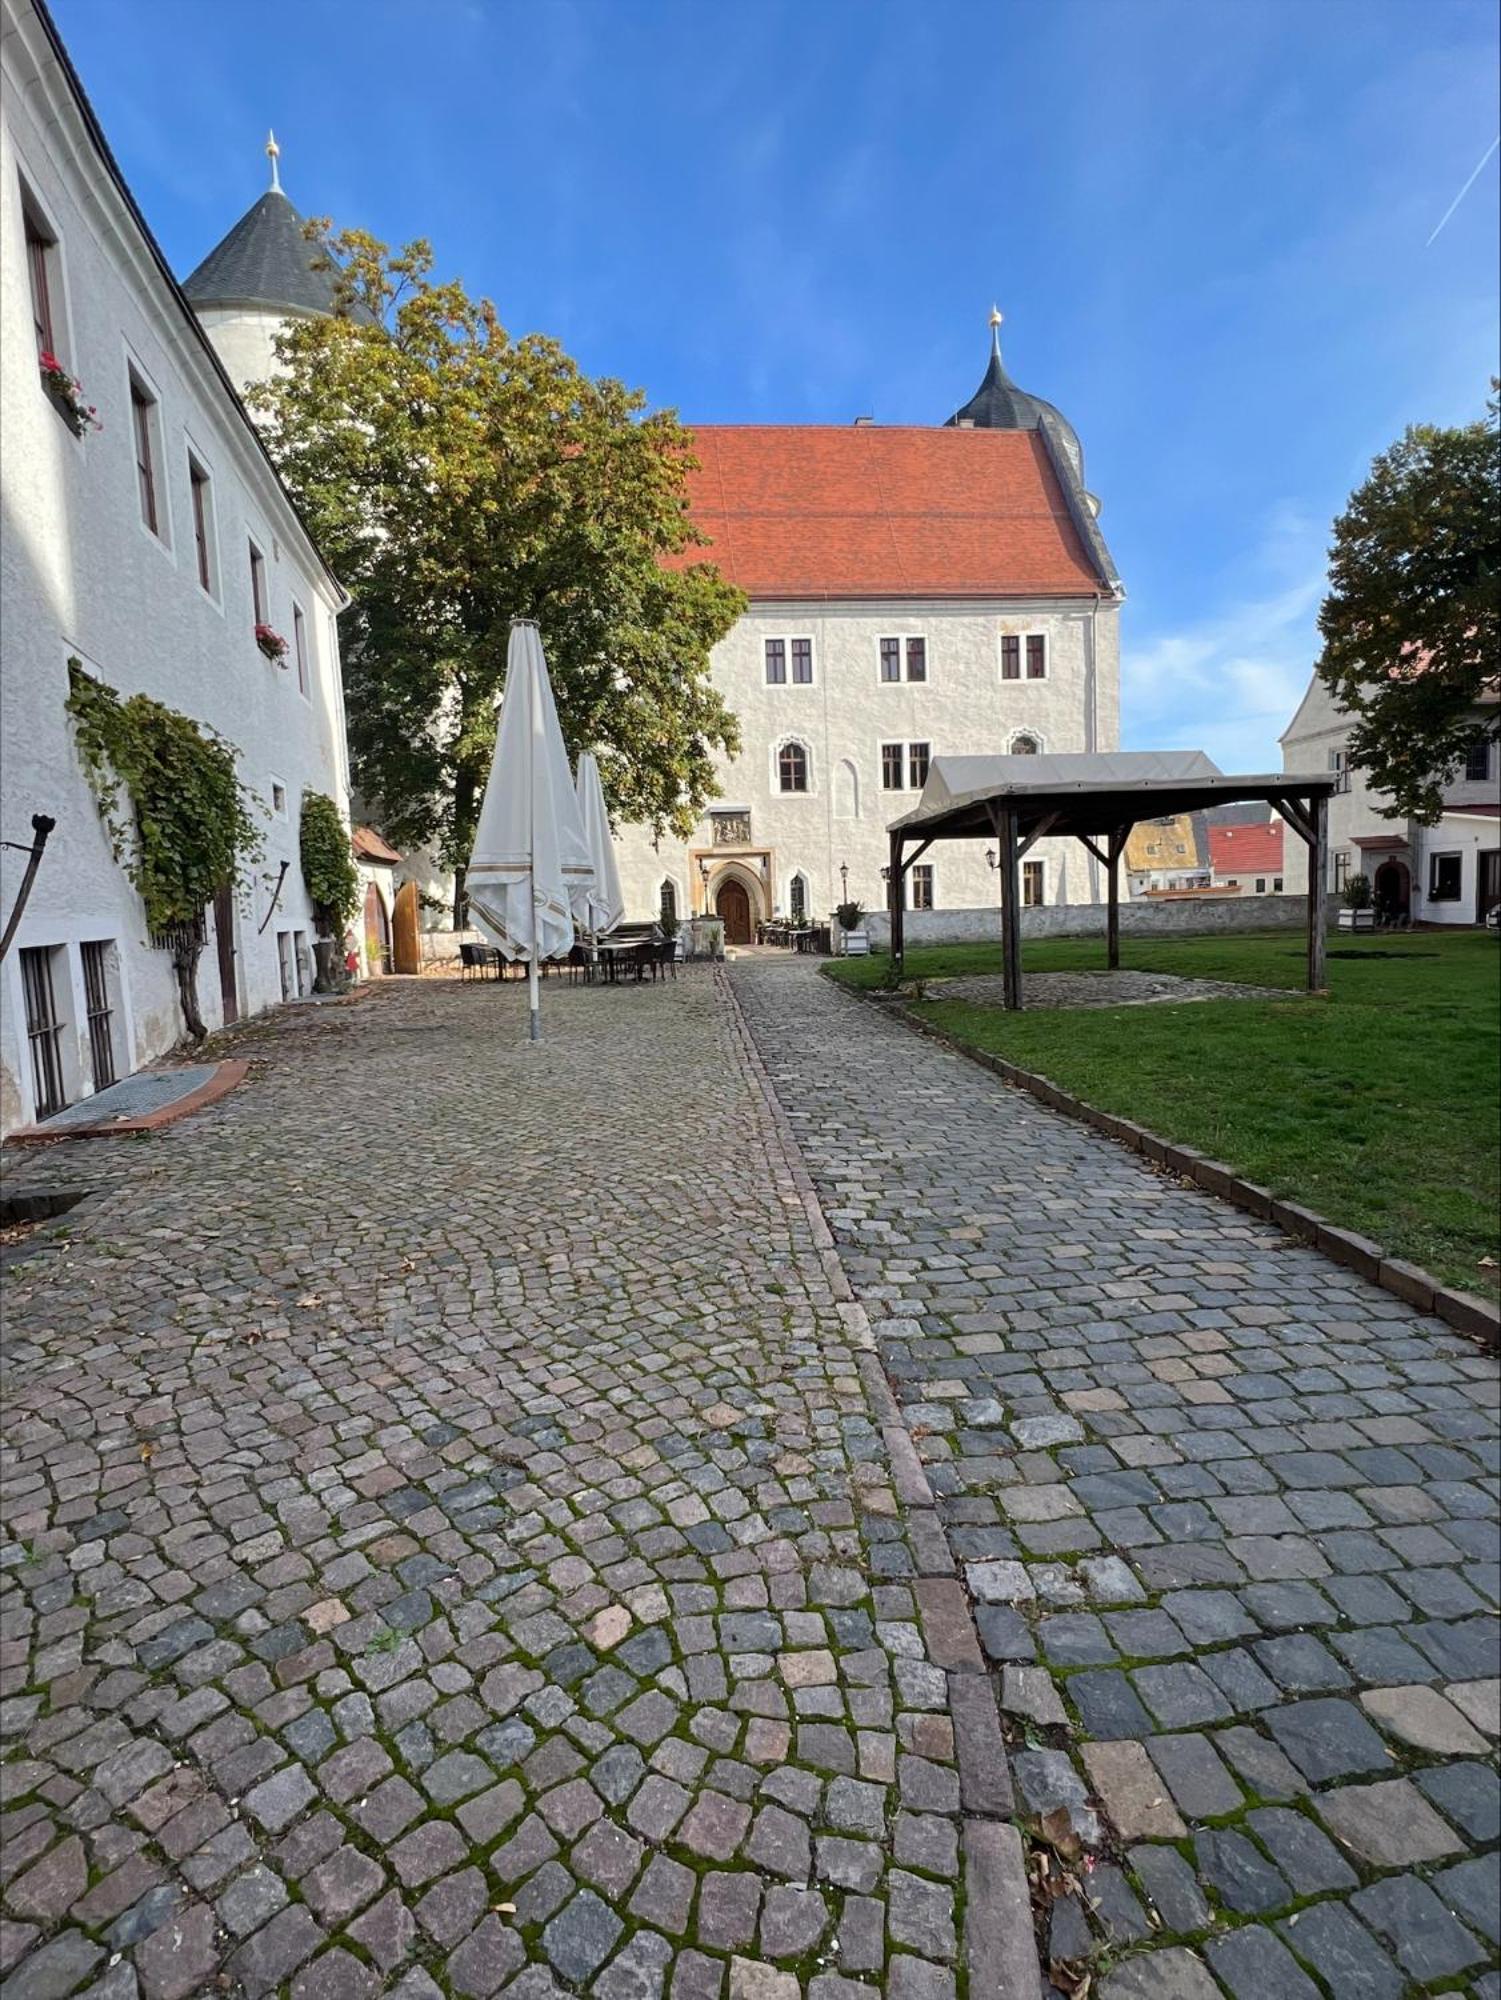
1246,850
860,510
369,846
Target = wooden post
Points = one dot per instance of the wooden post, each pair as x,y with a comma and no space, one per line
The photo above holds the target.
894,900
1115,847
1011,916
1318,896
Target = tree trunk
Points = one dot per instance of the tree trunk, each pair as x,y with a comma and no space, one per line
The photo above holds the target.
185,955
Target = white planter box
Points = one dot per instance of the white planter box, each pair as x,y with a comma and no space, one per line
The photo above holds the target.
856,944
1357,920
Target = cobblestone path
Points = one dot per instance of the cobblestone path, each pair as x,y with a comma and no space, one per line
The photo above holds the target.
1226,1512
452,1544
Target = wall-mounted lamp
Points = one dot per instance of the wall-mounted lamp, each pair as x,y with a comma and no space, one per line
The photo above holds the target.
990,857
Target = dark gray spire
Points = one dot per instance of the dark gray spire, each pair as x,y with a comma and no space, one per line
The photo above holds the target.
266,260
998,405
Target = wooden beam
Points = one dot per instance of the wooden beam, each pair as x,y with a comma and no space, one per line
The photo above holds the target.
917,853
894,899
1098,852
1011,916
1042,828
1115,847
1318,897
1297,819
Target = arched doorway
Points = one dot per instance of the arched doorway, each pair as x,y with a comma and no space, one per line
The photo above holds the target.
732,904
1392,890
377,931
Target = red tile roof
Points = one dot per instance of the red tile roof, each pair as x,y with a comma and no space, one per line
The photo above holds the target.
1246,850
369,846
859,510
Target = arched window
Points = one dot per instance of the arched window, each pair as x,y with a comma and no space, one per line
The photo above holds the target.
792,767
669,900
1025,746
797,899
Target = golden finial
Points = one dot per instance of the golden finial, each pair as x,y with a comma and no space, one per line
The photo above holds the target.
995,315
273,154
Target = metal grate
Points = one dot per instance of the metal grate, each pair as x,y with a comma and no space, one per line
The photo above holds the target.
96,998
43,1030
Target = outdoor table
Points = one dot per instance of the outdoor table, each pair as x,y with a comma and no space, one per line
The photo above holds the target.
621,953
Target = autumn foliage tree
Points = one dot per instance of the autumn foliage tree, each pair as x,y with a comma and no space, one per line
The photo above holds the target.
1412,622
455,478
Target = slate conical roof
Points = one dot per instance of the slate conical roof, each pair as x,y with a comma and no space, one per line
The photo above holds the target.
265,260
999,405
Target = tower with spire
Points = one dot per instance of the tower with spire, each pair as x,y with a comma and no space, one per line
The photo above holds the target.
999,405
264,272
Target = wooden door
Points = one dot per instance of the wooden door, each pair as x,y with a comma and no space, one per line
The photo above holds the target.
224,946
406,954
733,905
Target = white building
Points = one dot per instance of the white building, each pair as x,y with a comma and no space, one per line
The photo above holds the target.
1444,874
149,549
914,592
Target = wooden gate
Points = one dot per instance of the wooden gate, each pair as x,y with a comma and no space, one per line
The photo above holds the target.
224,948
406,954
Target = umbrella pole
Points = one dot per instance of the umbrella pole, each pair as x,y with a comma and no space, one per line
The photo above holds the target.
533,998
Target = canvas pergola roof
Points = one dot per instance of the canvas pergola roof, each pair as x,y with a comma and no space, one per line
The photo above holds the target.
1095,799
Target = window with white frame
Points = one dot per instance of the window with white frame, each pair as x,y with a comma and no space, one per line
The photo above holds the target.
205,542
43,276
1024,656
777,652
1025,744
145,433
792,767
1032,885
904,766
802,662
1445,877
1341,864
1478,760
776,662
894,651
920,886
299,649
259,602
278,798
1339,763
917,765
797,899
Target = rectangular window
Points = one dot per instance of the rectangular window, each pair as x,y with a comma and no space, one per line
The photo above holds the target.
1011,658
1261,885
1445,877
893,756
203,523
258,585
1037,656
41,257
1341,870
100,1013
299,647
802,662
917,765
1276,885
891,659
920,890
1339,764
1478,760
44,1029
143,425
776,662
278,799
917,659
1032,885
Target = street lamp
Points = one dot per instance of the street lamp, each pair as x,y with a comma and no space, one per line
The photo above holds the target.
844,881
703,871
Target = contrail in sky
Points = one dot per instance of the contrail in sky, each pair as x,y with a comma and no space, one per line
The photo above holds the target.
1467,186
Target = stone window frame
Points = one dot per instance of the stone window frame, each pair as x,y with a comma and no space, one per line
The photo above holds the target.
788,642
1034,884
904,746
1028,735
904,642
148,422
922,877
1435,893
792,741
39,225
1025,641
203,523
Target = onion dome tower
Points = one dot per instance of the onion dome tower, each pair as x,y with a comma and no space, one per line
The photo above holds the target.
999,405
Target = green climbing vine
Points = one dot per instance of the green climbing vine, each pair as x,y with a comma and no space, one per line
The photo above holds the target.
328,869
188,829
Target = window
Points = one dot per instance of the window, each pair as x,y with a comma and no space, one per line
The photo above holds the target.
44,1029
920,886
203,523
1025,745
667,902
1478,759
41,264
802,662
300,963
797,899
100,1014
258,586
1032,885
286,964
1339,764
1445,877
1037,657
278,799
917,765
792,767
891,659
1261,885
776,662
893,757
1276,885
1341,870
299,647
1011,658
917,659
143,431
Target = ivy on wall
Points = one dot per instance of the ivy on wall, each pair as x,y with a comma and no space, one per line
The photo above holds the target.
328,869
186,827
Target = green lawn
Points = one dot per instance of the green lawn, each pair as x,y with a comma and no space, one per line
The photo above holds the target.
1377,1106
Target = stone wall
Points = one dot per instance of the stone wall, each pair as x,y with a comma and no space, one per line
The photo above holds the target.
983,926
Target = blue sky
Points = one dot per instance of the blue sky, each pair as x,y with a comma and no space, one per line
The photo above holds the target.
1205,221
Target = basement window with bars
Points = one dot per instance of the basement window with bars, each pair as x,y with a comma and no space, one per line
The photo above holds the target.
44,1028
100,1013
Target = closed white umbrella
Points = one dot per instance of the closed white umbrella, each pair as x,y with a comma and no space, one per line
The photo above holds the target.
602,906
530,856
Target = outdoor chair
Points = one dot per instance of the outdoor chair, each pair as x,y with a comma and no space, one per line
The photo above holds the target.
471,960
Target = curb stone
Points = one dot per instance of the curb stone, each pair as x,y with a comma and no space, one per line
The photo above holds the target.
1466,1312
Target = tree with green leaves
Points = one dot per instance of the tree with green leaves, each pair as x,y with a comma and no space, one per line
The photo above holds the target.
456,478
1412,622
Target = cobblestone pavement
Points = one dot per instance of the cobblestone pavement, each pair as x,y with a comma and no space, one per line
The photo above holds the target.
1099,989
1227,1514
451,1543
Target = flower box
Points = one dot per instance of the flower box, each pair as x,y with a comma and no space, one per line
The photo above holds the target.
1357,920
66,392
271,643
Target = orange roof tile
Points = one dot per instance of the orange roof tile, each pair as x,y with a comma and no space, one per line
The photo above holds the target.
1248,849
858,510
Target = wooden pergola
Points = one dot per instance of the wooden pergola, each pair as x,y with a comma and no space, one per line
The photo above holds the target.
1095,800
